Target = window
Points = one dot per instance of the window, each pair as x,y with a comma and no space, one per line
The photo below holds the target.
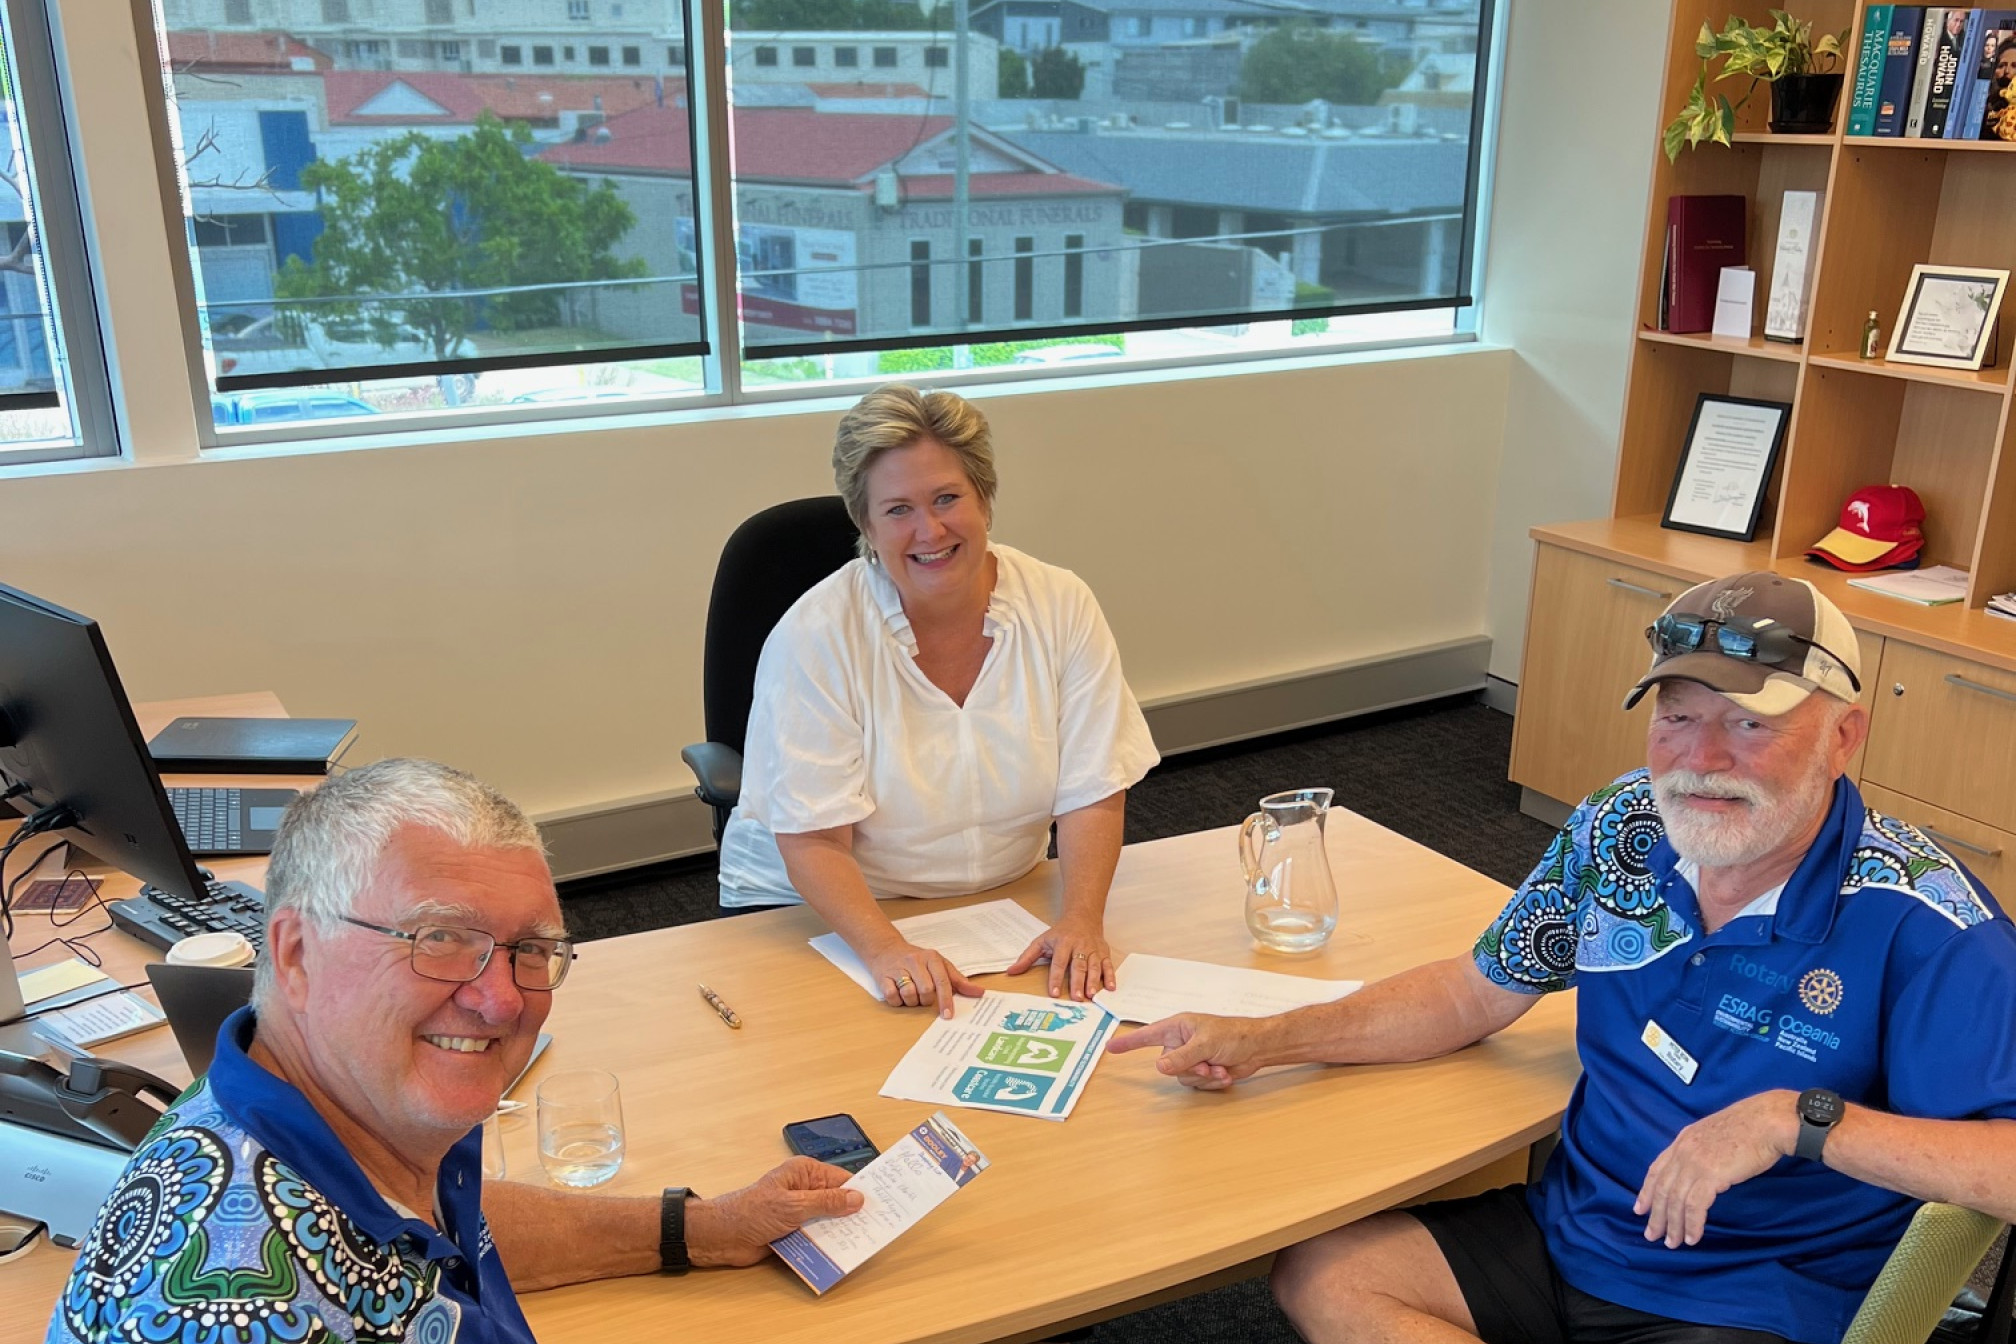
577,11
1072,227
1074,275
54,399
335,11
920,283
976,288
441,12
237,11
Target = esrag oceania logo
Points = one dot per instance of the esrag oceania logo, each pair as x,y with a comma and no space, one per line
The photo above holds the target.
1820,991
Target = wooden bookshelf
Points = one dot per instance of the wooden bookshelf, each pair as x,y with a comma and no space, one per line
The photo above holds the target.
1889,204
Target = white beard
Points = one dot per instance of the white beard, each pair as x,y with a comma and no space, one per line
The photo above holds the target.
1723,841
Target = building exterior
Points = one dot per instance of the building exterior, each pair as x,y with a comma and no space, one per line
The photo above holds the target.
581,36
920,58
845,226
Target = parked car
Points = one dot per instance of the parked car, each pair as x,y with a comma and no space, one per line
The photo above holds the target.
283,404
243,344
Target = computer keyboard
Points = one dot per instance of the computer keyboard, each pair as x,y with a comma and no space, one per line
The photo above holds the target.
209,818
164,919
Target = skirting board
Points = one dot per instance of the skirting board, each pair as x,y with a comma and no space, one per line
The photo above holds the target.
629,832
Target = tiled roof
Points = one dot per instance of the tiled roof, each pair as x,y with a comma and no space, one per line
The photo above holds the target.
243,52
510,97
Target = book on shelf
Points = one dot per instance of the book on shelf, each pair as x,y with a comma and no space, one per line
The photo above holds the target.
1900,64
2003,605
1792,271
1704,234
1998,26
1921,75
1965,77
1945,71
1934,586
1868,84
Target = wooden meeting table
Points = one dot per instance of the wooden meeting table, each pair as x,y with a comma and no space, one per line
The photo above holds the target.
1148,1191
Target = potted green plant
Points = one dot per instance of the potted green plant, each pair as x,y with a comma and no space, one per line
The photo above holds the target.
1804,73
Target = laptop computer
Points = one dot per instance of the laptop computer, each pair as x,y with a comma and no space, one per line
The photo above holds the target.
220,821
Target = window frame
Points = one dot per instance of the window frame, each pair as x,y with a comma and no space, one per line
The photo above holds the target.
723,372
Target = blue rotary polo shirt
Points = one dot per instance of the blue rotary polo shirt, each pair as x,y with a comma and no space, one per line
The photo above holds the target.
1884,972
242,1219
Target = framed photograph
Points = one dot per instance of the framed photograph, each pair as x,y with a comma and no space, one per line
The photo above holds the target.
1725,466
1948,317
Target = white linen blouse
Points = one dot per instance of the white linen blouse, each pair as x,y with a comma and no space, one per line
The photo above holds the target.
945,799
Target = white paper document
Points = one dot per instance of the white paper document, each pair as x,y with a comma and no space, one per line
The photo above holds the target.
100,1020
918,1173
978,939
1734,295
1019,1053
1152,988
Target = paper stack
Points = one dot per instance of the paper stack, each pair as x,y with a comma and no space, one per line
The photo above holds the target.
2003,605
1932,587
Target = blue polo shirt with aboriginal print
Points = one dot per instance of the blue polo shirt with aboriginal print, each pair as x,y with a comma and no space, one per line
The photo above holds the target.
242,1220
1884,972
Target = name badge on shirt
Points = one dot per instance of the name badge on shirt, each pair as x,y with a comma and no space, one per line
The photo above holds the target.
1670,1052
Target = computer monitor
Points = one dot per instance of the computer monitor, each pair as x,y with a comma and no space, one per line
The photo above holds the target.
68,736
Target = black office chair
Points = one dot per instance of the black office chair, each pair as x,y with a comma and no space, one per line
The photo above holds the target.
768,563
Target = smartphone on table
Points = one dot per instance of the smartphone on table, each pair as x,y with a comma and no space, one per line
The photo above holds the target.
838,1139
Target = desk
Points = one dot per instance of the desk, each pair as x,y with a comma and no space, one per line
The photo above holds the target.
1148,1187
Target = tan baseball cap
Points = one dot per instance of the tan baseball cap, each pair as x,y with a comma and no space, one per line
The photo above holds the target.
1764,640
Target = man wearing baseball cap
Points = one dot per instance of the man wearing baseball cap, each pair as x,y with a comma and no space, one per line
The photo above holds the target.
1793,1024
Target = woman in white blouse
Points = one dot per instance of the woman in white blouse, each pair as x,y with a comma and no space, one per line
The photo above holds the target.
923,716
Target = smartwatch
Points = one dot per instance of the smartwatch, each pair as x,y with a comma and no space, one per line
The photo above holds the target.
1819,1111
672,1257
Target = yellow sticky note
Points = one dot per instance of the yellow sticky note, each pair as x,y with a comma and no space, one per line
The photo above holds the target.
64,976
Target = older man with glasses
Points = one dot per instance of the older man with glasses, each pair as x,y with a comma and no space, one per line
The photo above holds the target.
1793,1017
323,1179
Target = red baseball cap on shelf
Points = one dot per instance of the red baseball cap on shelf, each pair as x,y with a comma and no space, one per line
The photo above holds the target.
1879,528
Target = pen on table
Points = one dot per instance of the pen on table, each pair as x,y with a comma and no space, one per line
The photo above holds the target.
720,1006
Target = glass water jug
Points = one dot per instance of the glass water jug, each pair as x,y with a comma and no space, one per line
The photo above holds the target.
1291,899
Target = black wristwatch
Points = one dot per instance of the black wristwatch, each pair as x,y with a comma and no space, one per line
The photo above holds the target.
1819,1111
672,1257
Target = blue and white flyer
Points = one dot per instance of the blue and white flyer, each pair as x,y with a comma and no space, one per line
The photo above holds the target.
1017,1053
920,1171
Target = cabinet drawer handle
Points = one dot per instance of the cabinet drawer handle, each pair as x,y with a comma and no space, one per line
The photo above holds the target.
1957,843
1955,679
1652,592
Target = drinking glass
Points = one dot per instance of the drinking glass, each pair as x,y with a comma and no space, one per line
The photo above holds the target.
580,1127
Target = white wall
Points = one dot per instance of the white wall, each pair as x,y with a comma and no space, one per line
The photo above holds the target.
530,605
1574,168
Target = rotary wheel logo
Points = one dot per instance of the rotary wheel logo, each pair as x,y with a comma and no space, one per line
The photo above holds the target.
1820,991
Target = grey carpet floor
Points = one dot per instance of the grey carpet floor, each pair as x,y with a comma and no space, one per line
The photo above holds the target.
1434,773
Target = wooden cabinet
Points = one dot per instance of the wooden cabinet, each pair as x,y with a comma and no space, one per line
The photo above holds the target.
1944,732
1984,850
1585,645
1950,435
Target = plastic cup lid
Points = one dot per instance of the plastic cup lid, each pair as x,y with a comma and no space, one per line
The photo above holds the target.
211,949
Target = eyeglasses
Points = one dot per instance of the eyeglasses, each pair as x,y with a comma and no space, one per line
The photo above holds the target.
443,952
1766,642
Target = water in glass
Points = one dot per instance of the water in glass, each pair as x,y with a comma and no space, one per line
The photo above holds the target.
580,1127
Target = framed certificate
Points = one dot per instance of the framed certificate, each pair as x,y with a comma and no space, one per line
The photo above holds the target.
1948,317
1725,466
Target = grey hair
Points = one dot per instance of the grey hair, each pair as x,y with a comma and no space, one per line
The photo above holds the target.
327,848
895,417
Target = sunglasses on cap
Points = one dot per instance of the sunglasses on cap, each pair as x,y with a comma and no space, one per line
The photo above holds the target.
1766,642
